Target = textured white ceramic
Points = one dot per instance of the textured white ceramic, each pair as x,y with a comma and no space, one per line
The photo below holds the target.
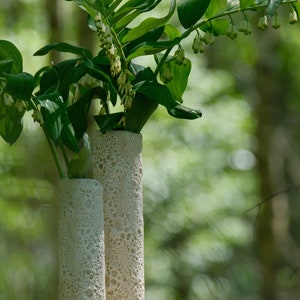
81,240
117,164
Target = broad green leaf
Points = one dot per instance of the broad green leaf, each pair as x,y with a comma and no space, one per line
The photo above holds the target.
68,137
296,6
5,65
100,6
131,10
122,23
81,162
272,7
148,25
183,112
191,11
158,93
246,3
87,6
20,86
129,6
64,47
233,4
78,112
11,123
68,74
218,27
150,48
9,51
90,67
139,113
179,82
53,110
261,2
215,7
49,81
172,32
109,122
151,36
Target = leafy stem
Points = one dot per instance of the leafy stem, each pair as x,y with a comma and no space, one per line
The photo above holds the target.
224,14
162,61
64,153
54,154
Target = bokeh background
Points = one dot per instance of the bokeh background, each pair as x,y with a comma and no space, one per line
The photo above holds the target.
221,194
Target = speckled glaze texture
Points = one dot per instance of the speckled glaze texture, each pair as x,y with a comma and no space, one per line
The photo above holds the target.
117,165
81,240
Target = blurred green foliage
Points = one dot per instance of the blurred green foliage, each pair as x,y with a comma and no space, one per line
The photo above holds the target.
200,178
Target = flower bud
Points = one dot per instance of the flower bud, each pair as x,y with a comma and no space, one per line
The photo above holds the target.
197,44
8,100
293,17
209,38
166,73
20,106
232,32
275,22
102,111
245,27
38,117
263,22
179,56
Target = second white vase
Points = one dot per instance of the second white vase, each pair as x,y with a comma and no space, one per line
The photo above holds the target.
117,165
81,240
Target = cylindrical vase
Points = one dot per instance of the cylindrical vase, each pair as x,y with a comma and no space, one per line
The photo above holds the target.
81,240
117,164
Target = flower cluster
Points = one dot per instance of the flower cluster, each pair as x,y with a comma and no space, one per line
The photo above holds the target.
125,88
106,43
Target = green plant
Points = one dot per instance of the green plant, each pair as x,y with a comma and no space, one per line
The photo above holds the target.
60,95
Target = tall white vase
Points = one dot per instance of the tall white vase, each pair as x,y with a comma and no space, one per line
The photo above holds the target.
117,164
81,240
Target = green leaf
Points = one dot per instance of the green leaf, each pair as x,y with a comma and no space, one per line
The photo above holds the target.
122,23
272,7
151,36
215,7
150,48
9,51
64,47
191,11
296,7
81,162
20,86
139,113
183,112
233,4
179,82
246,3
78,112
49,81
158,93
11,122
172,32
148,25
5,65
109,122
53,111
130,11
217,27
87,6
91,67
68,137
129,6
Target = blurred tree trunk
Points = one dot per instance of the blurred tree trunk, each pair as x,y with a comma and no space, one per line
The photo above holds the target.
273,82
85,36
54,13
